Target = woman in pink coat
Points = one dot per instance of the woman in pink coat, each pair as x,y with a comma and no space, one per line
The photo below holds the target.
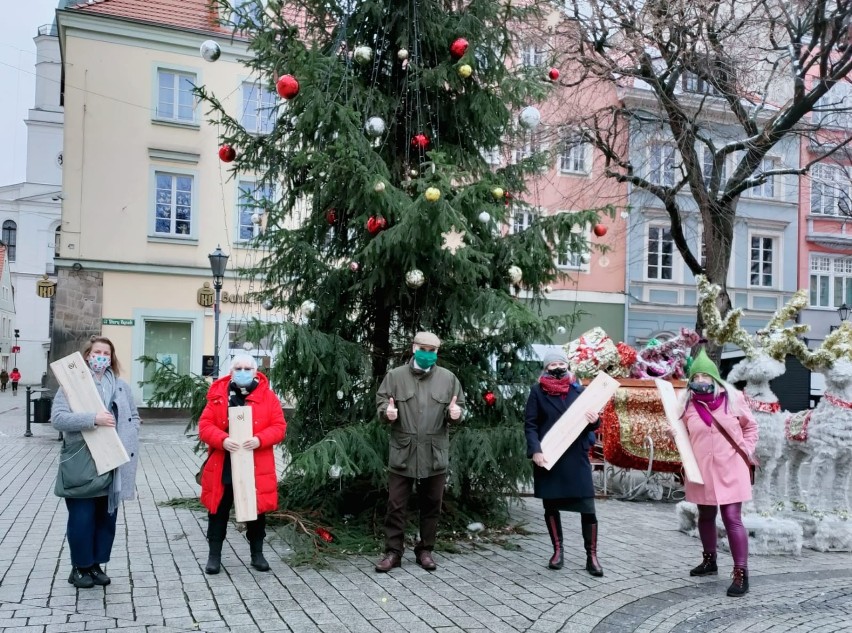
723,434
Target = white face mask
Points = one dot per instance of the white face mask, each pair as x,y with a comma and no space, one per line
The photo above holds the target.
99,364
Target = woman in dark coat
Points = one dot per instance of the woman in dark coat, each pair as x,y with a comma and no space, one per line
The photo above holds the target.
567,486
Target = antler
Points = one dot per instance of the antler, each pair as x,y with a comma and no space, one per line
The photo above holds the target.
836,345
727,330
778,339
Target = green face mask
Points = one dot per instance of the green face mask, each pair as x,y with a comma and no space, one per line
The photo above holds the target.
425,359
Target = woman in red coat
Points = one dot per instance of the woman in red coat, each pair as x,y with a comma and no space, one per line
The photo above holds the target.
245,386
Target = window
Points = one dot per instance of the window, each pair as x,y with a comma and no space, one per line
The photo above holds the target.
533,55
661,164
691,82
834,108
568,257
258,109
57,241
10,238
175,101
173,209
660,253
761,261
529,144
574,156
251,200
830,190
767,189
521,220
831,281
170,342
708,168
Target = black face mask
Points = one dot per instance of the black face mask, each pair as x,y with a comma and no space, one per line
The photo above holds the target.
701,387
558,372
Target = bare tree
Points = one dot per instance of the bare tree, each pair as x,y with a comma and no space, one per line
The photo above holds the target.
761,66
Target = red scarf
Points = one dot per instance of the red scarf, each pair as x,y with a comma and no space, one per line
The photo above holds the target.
556,386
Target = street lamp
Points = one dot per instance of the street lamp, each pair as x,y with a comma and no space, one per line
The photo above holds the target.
17,334
843,312
218,263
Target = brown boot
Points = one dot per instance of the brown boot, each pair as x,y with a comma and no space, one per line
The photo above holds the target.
388,562
425,560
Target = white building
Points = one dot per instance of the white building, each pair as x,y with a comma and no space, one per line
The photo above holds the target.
30,214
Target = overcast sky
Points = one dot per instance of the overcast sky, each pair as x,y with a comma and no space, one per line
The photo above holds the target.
17,80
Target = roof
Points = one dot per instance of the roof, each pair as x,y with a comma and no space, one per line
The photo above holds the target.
195,15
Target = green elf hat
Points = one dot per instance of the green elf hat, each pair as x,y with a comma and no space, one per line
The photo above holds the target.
704,365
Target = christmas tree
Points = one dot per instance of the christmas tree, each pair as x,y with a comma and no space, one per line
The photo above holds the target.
390,216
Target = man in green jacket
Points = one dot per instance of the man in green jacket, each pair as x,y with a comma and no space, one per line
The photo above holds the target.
419,400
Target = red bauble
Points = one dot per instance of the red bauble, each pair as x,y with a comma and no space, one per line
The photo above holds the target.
324,534
553,74
227,153
331,216
490,398
420,141
600,230
287,86
459,48
376,224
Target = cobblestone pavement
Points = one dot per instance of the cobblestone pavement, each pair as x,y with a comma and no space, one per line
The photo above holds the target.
158,582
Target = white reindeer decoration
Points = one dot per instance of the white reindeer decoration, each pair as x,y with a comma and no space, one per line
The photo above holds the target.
765,352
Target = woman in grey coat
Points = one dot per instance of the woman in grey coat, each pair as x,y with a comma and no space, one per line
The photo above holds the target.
93,505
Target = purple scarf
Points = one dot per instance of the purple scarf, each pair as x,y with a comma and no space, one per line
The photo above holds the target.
709,403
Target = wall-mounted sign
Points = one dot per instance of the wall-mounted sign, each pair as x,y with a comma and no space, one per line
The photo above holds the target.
118,321
45,288
206,296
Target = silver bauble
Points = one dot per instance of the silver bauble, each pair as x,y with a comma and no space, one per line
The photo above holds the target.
413,173
561,330
415,278
247,346
515,274
210,51
363,54
334,471
530,117
255,218
379,187
375,126
585,258
485,217
308,307
267,304
548,288
402,54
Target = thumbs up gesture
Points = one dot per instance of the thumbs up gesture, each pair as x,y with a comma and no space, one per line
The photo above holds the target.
454,410
391,413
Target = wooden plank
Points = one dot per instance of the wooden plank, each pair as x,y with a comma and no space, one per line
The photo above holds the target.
569,426
83,396
681,437
240,429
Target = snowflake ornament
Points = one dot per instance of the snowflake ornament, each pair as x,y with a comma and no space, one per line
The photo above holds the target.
453,240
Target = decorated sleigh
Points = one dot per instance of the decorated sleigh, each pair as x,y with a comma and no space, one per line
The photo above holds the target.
633,429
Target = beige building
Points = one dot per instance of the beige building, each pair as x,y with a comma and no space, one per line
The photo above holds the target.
145,197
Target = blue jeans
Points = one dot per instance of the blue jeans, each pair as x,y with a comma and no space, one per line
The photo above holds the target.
91,531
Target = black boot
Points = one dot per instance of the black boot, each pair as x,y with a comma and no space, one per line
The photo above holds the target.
739,584
590,541
98,576
707,567
257,559
214,559
554,529
80,578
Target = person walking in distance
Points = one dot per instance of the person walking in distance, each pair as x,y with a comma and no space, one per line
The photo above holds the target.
4,380
419,400
15,377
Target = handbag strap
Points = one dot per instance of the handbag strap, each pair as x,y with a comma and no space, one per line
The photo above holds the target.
728,437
